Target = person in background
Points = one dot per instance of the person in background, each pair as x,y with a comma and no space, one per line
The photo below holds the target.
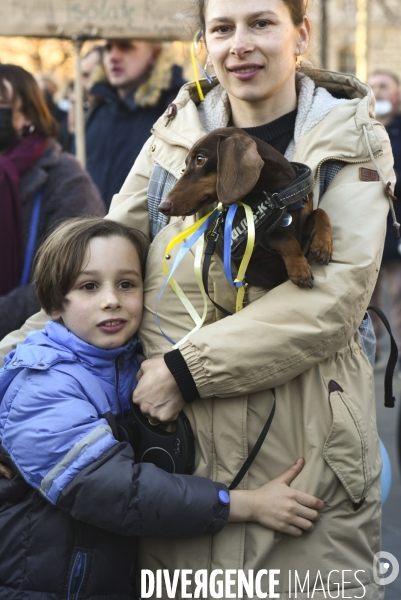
89,64
386,88
49,88
138,82
40,186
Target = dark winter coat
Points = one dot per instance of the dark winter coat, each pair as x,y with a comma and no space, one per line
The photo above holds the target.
67,192
116,130
69,516
392,243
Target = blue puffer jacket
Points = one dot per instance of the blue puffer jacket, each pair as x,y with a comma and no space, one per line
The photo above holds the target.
66,535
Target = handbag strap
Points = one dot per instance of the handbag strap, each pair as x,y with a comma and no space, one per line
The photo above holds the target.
253,453
389,399
32,237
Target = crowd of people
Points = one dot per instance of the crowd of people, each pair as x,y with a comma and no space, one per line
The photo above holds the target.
79,515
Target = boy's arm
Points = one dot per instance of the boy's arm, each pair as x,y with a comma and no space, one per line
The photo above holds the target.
77,464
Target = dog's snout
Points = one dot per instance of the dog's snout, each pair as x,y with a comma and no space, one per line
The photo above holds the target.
165,207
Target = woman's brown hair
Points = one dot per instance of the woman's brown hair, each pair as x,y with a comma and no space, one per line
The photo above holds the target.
59,260
33,104
297,10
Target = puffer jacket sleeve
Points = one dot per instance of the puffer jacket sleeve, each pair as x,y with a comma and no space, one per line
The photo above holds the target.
56,440
288,330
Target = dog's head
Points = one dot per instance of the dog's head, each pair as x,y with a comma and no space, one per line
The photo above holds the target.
224,166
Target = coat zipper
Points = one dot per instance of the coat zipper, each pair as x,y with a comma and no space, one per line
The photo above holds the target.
346,160
77,575
119,364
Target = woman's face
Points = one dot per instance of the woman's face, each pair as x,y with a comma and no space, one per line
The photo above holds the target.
252,46
19,120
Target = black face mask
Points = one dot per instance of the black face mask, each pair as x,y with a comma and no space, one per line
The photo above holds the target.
7,133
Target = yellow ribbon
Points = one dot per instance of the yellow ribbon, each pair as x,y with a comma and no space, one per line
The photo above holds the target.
250,244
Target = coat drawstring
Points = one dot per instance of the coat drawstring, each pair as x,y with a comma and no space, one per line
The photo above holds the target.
387,185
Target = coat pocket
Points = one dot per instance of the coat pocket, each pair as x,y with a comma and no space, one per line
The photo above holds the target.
77,576
346,448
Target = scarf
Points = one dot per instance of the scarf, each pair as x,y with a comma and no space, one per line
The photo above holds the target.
13,163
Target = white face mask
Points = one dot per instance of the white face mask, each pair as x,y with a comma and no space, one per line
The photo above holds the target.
383,107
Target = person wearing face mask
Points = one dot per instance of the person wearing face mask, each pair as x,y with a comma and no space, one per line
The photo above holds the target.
386,88
39,185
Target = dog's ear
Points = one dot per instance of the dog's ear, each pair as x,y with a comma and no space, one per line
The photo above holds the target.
238,167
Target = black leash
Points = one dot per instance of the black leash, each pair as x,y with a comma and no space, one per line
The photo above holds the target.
211,242
252,455
389,400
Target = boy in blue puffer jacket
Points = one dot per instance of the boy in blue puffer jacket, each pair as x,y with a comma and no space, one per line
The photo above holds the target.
68,516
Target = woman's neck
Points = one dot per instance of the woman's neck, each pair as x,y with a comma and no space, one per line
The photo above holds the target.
245,113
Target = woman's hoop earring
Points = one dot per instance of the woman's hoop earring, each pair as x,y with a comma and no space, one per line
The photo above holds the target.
298,62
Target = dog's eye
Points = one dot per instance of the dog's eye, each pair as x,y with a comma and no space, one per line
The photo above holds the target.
200,160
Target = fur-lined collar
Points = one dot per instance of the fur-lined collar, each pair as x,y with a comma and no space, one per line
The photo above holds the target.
314,103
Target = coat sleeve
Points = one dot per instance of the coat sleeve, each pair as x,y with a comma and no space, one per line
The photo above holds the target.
76,464
71,193
288,330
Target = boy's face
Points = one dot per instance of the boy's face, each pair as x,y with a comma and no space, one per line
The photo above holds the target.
104,306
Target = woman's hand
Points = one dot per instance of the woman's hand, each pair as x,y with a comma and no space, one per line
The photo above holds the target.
277,506
5,471
157,393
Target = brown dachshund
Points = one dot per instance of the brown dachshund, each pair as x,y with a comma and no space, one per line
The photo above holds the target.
228,166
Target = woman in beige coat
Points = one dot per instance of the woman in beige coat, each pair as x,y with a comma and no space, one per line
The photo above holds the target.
303,343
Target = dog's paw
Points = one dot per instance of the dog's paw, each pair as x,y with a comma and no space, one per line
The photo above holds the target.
321,247
300,273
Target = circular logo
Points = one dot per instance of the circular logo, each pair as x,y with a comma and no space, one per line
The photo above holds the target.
382,573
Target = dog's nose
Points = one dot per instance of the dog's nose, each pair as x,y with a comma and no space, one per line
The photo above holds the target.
165,207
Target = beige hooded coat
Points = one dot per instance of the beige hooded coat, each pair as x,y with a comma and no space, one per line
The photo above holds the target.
295,340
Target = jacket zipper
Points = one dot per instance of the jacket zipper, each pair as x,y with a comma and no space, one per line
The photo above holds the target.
119,365
346,160
77,576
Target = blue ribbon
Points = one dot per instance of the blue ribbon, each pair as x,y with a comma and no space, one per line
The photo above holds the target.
228,228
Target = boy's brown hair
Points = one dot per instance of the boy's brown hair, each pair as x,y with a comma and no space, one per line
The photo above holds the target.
58,261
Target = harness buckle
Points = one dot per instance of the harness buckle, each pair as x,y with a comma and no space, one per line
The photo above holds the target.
213,235
273,201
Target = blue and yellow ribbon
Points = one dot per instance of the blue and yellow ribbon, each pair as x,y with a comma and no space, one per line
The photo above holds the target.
195,234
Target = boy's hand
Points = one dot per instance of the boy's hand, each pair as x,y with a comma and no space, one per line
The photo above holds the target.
277,506
157,393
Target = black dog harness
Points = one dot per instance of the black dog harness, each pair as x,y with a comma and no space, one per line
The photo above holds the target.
269,211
